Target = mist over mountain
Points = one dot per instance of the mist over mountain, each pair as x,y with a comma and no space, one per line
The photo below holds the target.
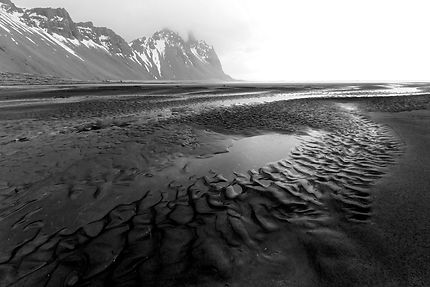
48,41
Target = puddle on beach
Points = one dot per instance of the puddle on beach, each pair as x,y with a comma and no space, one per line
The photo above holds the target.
242,155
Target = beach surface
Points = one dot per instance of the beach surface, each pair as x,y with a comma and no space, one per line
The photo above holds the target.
214,185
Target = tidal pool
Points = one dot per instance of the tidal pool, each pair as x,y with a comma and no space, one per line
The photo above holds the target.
244,154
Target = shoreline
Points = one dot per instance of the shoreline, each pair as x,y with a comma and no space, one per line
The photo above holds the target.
315,211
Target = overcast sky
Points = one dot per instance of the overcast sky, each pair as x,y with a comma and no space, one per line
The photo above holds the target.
282,40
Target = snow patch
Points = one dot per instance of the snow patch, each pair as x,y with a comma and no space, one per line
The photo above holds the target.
35,15
30,40
141,59
58,18
197,55
85,30
59,40
13,21
4,28
91,44
104,38
74,42
155,55
160,46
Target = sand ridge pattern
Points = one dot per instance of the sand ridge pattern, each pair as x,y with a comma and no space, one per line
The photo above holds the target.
210,231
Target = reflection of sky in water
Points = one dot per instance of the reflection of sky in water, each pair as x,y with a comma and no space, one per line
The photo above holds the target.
245,154
352,91
216,99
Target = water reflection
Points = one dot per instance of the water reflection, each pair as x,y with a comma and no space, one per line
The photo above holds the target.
243,155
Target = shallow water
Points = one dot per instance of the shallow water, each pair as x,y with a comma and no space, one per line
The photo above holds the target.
243,155
231,97
349,92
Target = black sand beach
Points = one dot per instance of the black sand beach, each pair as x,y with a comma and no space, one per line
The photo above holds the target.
401,199
214,185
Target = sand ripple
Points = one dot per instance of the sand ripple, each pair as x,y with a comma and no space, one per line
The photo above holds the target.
192,231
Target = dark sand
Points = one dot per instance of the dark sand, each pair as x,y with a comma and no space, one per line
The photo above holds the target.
402,199
149,191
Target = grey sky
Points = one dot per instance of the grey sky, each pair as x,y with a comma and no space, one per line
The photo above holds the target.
290,40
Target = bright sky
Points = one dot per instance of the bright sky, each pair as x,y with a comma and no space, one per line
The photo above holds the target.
282,40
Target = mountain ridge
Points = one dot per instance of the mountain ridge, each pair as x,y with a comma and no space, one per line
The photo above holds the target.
48,41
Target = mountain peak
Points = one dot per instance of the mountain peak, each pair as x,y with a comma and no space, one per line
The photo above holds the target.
52,12
168,35
53,20
48,41
194,42
7,2
88,24
166,31
9,6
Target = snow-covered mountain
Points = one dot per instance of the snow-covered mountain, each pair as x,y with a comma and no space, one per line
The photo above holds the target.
47,41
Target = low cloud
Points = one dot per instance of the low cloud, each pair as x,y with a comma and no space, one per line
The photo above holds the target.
281,40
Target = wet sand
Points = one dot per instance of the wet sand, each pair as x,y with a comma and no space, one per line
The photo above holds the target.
402,199
134,191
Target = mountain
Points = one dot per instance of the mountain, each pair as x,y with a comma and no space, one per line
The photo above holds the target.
47,41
